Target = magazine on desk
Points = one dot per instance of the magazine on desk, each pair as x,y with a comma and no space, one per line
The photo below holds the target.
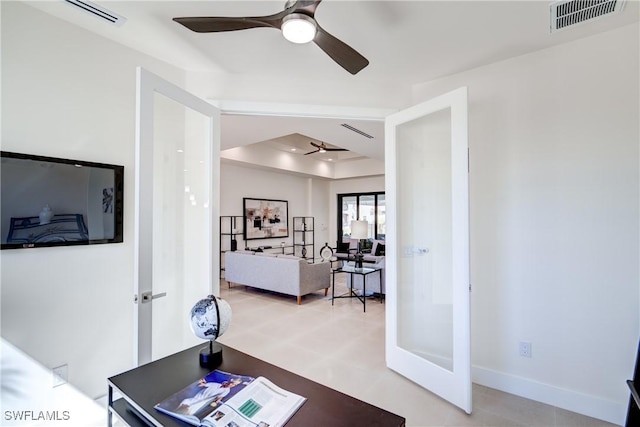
221,399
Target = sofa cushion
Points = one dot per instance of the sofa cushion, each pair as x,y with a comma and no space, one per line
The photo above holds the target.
266,254
244,252
287,256
379,249
342,247
374,246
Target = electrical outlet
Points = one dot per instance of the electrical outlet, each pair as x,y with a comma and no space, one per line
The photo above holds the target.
525,348
60,375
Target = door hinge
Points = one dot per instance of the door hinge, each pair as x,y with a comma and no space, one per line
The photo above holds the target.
469,287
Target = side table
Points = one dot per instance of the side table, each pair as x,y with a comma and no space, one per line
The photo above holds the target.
364,272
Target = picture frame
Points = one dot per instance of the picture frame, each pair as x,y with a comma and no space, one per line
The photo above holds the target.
265,218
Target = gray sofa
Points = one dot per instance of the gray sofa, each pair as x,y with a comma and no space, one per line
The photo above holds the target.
279,273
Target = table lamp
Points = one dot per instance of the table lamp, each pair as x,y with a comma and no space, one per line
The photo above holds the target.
359,230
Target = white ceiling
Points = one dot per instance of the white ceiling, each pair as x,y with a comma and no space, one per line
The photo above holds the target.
413,41
405,41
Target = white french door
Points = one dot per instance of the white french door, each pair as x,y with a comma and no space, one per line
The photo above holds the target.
176,210
427,319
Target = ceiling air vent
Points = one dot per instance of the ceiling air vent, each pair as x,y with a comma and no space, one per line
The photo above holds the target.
98,11
356,130
566,14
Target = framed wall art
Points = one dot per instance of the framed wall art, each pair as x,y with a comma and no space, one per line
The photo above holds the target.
265,218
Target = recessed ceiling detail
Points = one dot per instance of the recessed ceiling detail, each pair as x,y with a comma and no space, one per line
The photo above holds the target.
98,11
322,148
356,130
568,13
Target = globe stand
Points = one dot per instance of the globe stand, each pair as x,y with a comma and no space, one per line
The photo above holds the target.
211,356
205,326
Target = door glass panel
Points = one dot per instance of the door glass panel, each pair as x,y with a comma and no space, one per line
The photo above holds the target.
349,213
368,213
425,292
180,210
381,214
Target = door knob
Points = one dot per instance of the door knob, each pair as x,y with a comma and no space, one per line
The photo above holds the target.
148,296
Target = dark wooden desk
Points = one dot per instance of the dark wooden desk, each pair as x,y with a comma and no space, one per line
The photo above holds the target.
145,386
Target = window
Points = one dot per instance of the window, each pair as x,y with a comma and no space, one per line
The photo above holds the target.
368,207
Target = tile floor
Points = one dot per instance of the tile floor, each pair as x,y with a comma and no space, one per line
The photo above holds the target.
343,348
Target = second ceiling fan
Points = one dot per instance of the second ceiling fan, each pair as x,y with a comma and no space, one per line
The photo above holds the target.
322,148
297,24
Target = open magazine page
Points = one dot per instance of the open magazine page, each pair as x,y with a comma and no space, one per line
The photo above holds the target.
201,398
260,404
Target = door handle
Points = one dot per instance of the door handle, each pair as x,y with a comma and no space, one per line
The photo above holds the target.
148,296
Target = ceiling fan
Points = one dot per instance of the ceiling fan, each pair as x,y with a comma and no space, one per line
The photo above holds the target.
297,24
322,148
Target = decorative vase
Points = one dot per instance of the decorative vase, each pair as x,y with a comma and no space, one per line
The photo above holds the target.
45,215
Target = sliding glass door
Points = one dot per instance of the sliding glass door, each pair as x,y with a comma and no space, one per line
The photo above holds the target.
368,207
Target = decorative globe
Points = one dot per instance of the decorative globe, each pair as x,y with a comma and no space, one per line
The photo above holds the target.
204,317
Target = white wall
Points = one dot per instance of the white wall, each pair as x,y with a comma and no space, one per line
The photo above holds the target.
69,93
323,216
296,89
554,204
554,182
306,196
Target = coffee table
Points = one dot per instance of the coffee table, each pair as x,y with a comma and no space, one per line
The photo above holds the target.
143,387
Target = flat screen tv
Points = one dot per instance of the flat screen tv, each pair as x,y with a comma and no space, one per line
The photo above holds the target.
46,201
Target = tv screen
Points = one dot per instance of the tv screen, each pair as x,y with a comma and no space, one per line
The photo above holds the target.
46,201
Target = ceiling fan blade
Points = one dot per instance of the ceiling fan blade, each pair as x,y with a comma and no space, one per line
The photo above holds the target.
314,144
306,6
215,24
347,57
336,149
311,152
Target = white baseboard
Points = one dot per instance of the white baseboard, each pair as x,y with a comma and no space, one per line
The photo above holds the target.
591,406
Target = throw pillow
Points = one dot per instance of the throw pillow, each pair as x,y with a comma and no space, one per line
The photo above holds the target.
379,250
343,247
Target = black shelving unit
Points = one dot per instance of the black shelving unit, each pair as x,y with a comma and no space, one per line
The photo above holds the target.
231,230
303,237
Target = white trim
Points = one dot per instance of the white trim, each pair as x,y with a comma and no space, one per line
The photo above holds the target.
592,406
300,110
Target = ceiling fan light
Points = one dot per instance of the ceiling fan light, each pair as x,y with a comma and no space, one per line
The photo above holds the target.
298,28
